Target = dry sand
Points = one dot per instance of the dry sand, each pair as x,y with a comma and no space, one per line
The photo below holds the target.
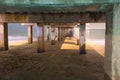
58,62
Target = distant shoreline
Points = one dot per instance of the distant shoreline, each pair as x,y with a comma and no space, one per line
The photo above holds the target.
18,38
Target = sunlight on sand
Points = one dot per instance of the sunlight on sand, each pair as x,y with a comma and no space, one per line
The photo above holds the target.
69,44
17,43
97,45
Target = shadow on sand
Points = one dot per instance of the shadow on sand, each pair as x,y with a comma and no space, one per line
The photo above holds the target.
24,63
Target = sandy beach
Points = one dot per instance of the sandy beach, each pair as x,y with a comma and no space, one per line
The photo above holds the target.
58,62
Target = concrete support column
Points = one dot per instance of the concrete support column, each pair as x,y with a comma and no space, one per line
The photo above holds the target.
82,39
78,40
112,44
108,46
62,33
3,36
48,33
65,32
40,36
45,32
53,35
30,34
59,33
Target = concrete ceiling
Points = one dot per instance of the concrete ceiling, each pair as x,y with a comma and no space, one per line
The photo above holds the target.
52,9
54,6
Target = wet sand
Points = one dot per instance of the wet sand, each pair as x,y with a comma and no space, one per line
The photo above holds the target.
58,62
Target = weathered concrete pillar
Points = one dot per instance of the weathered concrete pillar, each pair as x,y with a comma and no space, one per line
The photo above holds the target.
108,46
40,36
53,35
82,39
107,77
62,33
30,34
112,44
48,33
66,32
59,33
78,40
3,36
45,32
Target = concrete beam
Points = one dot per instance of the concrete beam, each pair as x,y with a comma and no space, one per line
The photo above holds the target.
48,18
30,34
55,3
3,36
40,36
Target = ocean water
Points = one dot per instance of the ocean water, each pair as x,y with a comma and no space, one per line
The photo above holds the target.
17,32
